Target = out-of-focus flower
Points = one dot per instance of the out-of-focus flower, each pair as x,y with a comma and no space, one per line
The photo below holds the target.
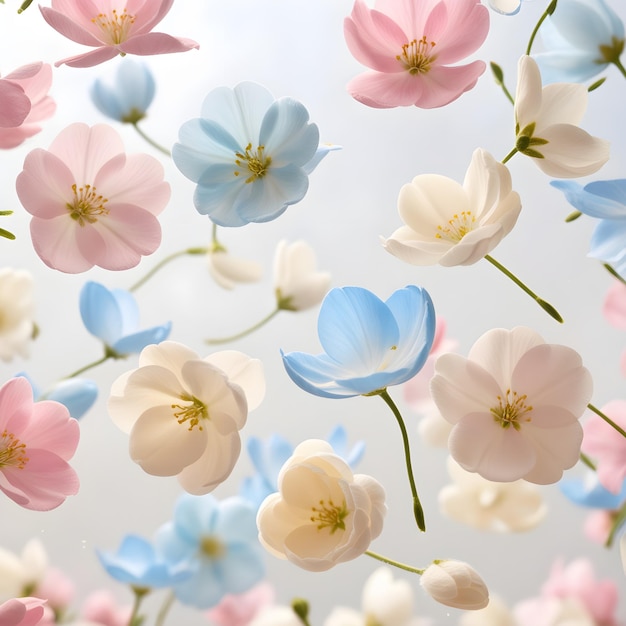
548,611
125,29
128,100
91,203
241,609
297,282
506,7
101,607
622,549
456,584
589,492
499,507
21,611
112,315
228,270
614,307
218,539
24,102
323,513
248,154
184,413
410,51
496,613
515,403
19,574
546,124
58,590
276,616
369,344
450,224
16,312
37,439
581,38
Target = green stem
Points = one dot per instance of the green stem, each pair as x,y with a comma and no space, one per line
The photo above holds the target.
388,561
509,155
151,141
243,333
607,419
548,11
546,306
165,608
587,461
574,215
418,511
611,270
139,592
618,520
106,357
619,66
163,262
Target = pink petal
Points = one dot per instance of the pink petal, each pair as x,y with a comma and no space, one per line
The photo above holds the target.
614,307
442,85
35,79
14,104
147,14
16,405
156,43
69,26
466,28
384,91
51,428
12,137
89,59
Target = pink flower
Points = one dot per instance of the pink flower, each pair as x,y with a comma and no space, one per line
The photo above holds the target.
241,609
57,589
24,101
100,607
120,27
21,612
410,45
91,203
614,310
36,441
598,525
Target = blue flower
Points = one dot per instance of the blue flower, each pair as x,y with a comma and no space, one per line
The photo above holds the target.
581,38
590,493
128,100
137,563
113,317
220,540
249,154
369,344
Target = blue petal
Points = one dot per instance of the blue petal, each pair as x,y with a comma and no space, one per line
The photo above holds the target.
100,312
598,199
254,489
77,394
236,522
320,153
338,439
567,66
608,243
268,457
129,310
592,495
242,568
106,101
136,342
611,190
135,86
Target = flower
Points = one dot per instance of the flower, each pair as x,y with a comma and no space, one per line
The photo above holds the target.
184,413
76,394
218,540
515,403
16,312
228,270
546,124
580,38
496,613
450,224
410,51
589,492
23,572
276,616
101,607
91,203
297,283
128,100
456,584
125,29
548,611
369,344
248,153
506,7
323,513
21,612
24,102
37,439
113,316
240,609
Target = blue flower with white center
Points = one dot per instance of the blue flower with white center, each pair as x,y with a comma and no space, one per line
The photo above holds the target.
128,100
219,540
369,344
113,316
249,154
581,38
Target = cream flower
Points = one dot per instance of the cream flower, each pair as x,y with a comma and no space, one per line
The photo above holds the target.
515,404
496,613
16,312
546,124
20,574
456,584
322,514
500,507
227,270
184,413
450,224
276,616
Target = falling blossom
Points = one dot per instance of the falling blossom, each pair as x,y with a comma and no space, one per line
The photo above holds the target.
17,308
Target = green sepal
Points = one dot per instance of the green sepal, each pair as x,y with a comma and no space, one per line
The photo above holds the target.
532,153
595,85
6,234
498,74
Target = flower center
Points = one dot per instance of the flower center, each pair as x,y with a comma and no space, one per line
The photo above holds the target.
417,56
114,26
330,516
212,547
12,452
256,161
86,205
610,53
511,410
192,412
456,228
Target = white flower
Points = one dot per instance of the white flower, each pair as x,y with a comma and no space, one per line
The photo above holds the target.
297,283
16,312
515,403
322,514
500,507
20,574
276,616
456,584
496,613
547,125
450,224
227,270
184,413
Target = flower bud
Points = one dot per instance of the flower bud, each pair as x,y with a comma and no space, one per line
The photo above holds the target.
455,584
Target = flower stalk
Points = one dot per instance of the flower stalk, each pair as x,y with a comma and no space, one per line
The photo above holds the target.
607,419
247,331
388,561
151,141
549,11
163,262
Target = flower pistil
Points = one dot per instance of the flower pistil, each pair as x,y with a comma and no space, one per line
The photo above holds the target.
12,452
256,161
212,547
192,413
86,205
330,516
115,26
511,409
417,56
457,227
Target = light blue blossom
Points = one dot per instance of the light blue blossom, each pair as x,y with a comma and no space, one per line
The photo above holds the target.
589,492
129,98
369,344
506,7
113,316
137,563
249,154
580,38
220,539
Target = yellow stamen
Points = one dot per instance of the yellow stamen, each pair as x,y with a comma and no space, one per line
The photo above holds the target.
114,26
86,205
457,227
330,516
511,410
192,413
12,452
417,56
255,160
212,547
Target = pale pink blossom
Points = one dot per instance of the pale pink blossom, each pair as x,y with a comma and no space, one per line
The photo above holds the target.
91,203
37,439
241,609
614,309
21,612
598,525
410,47
101,607
549,611
113,27
24,102
57,589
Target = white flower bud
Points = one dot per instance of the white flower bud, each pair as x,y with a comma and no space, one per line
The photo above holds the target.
455,584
